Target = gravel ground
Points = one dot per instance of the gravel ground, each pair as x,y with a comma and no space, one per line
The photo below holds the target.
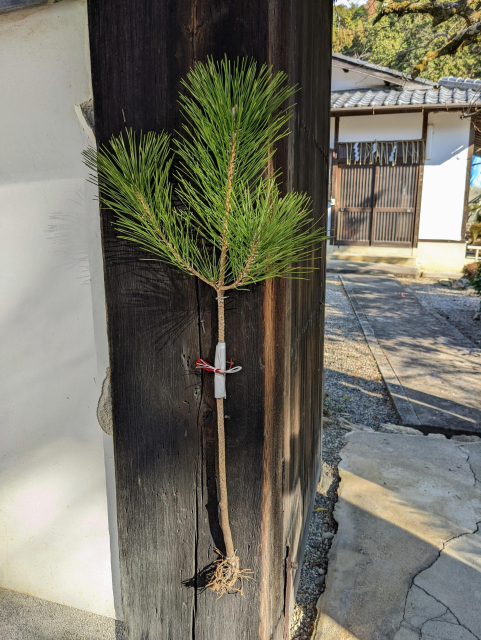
353,385
457,306
354,391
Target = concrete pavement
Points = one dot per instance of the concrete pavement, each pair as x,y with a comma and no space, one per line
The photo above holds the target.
405,563
373,268
432,373
23,617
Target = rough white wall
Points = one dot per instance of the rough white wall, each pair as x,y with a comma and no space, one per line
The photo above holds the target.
54,530
441,256
332,132
395,126
344,81
442,203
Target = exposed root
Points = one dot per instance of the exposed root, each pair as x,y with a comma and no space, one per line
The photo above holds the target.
226,575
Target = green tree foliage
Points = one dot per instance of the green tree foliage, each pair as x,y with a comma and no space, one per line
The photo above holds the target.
399,42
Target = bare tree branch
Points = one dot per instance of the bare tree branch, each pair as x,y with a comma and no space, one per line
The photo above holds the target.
404,52
467,30
459,40
440,11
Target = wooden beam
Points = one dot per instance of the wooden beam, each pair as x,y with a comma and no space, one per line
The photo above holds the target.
374,202
472,133
373,111
420,180
335,183
442,240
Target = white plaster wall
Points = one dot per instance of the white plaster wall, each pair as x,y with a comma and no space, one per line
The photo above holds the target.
342,81
441,256
54,516
442,203
395,126
332,124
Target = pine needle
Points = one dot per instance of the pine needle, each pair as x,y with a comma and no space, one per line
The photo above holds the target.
234,113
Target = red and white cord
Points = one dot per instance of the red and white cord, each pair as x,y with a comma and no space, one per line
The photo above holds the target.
202,364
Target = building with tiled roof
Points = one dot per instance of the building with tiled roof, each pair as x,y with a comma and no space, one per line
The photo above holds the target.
402,149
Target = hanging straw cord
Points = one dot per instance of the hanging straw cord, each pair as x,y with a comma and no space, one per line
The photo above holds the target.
202,364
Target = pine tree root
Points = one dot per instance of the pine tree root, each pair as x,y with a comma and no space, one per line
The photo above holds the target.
227,574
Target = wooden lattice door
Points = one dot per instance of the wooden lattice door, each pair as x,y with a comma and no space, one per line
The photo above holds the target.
377,204
356,185
394,204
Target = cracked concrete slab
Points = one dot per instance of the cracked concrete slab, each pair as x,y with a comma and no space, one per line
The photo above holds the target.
454,580
405,563
473,451
420,608
438,630
427,618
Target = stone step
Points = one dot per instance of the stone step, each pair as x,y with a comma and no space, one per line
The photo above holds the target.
409,261
372,268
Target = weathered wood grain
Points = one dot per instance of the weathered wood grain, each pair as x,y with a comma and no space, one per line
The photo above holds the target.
160,321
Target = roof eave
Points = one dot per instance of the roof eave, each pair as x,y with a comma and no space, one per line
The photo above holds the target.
383,73
400,107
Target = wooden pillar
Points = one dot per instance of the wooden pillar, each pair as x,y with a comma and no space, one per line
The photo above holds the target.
420,177
160,321
335,184
472,135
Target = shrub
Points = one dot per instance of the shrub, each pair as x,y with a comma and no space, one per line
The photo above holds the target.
469,270
475,231
477,280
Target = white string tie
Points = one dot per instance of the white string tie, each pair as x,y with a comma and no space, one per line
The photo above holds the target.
202,364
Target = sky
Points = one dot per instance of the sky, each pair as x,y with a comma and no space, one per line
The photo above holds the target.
347,3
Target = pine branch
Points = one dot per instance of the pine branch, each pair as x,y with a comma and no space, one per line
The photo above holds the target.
232,227
153,221
242,278
225,228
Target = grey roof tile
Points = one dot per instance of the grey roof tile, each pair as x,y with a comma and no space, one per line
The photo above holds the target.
460,83
457,94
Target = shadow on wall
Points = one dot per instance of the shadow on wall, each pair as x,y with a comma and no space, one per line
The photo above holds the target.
69,232
52,469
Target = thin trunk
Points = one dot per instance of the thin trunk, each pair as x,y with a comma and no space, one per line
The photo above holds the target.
223,504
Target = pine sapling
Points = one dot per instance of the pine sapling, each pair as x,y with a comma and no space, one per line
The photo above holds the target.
210,205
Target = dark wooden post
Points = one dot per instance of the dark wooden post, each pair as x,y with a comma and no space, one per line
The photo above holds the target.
160,321
420,176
